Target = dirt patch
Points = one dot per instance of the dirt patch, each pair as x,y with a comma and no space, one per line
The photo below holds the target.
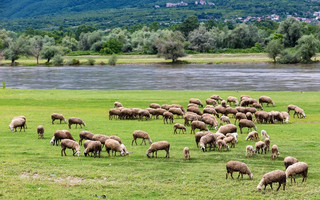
69,179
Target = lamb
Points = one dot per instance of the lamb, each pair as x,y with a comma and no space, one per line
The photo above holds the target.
59,135
144,114
113,113
249,116
216,97
236,166
40,131
141,134
180,127
249,150
231,140
228,128
93,147
116,138
100,138
257,106
297,168
198,125
85,135
267,100
208,139
224,119
199,135
234,135
275,151
222,143
155,147
264,134
115,147
211,121
291,107
267,143
289,161
167,116
299,112
211,102
246,123
70,144
55,116
194,110
233,100
285,116
17,122
240,116
176,111
186,153
76,121
154,105
253,136
117,105
260,145
196,101
273,177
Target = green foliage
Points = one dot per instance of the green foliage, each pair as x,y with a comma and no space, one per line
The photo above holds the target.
91,61
36,45
112,46
113,60
200,39
189,25
16,48
57,60
288,56
274,48
307,47
48,52
171,47
291,29
84,28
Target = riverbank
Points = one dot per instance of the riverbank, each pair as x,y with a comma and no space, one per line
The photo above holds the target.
31,167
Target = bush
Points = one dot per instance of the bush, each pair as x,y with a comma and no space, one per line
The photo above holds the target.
57,60
113,60
91,61
288,57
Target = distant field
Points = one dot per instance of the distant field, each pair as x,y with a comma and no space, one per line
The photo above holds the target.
32,169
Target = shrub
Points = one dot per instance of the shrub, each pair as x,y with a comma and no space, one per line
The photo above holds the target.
91,61
57,60
288,57
113,60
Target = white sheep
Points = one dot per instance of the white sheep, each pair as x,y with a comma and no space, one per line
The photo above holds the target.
155,147
276,176
297,168
236,166
275,151
249,150
186,153
70,144
264,134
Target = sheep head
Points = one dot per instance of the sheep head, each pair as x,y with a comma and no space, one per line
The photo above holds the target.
52,140
11,128
78,150
251,176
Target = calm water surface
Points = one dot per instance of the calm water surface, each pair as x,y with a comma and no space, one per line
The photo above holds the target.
166,77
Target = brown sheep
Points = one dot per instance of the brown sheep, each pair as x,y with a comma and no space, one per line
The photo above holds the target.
232,111
115,147
117,105
291,107
196,101
224,119
144,114
267,143
244,97
186,153
154,105
17,122
194,110
198,125
275,151
190,116
59,135
113,113
236,166
222,144
267,100
126,113
224,103
93,147
40,131
167,116
241,109
299,112
180,127
159,112
55,116
228,128
257,106
116,138
254,135
70,144
297,168
261,117
211,111
289,161
85,135
155,147
176,111
100,138
250,109
233,100
216,97
211,121
276,176
198,136
230,140
166,106
285,116
240,116
249,116
260,145
141,134
208,139
220,110
76,121
211,102
152,112
246,123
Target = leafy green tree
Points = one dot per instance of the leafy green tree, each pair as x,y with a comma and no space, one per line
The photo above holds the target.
70,43
243,36
112,46
88,39
291,30
16,48
48,52
36,45
171,47
307,47
154,26
210,24
287,56
84,29
189,25
274,48
200,39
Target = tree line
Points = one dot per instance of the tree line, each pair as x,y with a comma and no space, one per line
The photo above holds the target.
287,42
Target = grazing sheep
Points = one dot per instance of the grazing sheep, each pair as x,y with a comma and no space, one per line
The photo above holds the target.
132,113
297,168
241,109
59,135
275,151
199,135
216,97
253,136
246,123
211,102
208,139
233,100
228,128
224,119
196,101
93,147
115,147
154,105
264,134
249,116
244,97
289,161
190,116
232,111
211,121
198,125
159,111
76,121
186,153
267,100
250,109
23,117
236,166
152,112
180,127
40,131
113,113
155,147
261,116
17,122
275,116
224,103
70,144
178,106
299,112
221,137
222,143
117,105
55,116
291,107
267,143
257,106
167,116
230,140
285,116
141,134
234,135
116,138
260,145
166,106
249,150
194,110
144,114
211,111
240,116
220,110
176,111
100,138
85,135
126,113
192,104
276,176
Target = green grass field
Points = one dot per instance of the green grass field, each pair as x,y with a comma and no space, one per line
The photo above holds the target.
33,169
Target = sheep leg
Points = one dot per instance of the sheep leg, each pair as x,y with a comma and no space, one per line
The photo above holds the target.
231,173
168,153
239,175
80,141
152,154
294,178
156,154
136,141
74,152
142,142
227,175
62,152
175,131
271,185
279,186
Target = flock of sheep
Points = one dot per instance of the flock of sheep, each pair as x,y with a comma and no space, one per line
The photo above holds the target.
249,112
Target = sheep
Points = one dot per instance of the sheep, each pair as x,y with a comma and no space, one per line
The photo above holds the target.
198,125
17,122
132,113
291,107
260,145
180,127
253,136
199,135
101,138
275,151
264,134
231,140
240,116
59,135
115,147
176,111
155,147
223,103
275,116
267,143
194,110
186,153
190,116
126,113
244,97
85,135
250,109
23,117
299,112
211,102
289,161
285,116
116,138
257,106
167,116
208,139
267,100
117,105
246,123
40,131
145,114
228,128
297,168
241,109
166,106
221,137
55,116
196,101
233,100
276,176
216,97
141,134
249,150
220,109
234,135
192,104
178,106
93,147
236,166
154,105
211,111
249,116
159,111
76,121
113,113
224,119
211,121
70,144
262,116
222,143
152,112
232,111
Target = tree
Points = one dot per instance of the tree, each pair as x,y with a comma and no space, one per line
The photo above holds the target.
84,29
171,47
16,48
36,44
274,48
291,30
70,43
307,47
200,39
49,52
189,25
112,46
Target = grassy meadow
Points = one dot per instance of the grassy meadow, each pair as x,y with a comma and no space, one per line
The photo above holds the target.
33,169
